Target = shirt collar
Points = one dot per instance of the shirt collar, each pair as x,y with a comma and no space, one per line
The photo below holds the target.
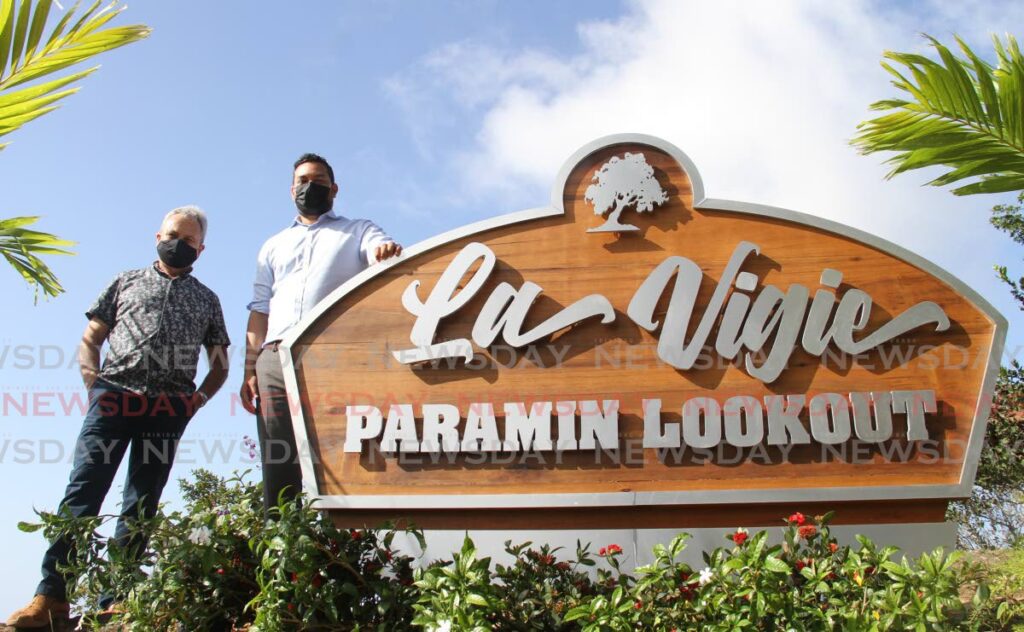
329,216
155,269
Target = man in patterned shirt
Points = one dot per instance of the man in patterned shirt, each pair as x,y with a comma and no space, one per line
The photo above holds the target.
295,269
155,319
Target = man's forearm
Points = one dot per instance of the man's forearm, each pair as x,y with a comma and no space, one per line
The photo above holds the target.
255,336
213,381
88,361
95,334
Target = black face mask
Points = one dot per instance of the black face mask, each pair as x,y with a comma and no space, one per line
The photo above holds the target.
313,199
175,253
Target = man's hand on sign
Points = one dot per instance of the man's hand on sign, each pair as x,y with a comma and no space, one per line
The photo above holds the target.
386,251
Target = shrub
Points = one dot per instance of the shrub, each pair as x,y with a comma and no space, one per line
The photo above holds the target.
218,565
993,517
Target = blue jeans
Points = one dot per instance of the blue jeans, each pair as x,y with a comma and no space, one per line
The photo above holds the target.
116,420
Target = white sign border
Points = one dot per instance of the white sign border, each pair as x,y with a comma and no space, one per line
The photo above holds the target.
620,499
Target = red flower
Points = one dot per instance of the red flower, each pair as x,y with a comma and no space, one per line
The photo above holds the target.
220,571
739,537
638,604
611,549
295,578
602,551
356,534
832,546
800,564
798,518
807,531
562,566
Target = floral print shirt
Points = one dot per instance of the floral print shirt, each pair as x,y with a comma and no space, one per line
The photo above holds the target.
157,324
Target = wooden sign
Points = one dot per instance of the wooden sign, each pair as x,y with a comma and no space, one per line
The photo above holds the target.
638,346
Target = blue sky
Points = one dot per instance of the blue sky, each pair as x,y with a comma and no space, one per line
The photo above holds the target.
435,115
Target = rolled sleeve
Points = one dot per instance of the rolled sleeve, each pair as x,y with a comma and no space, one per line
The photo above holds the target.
217,331
105,307
373,236
262,286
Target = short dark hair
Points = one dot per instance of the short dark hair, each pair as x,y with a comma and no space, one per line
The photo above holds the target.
317,158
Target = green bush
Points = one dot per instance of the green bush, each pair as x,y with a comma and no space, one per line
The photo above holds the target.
808,582
218,565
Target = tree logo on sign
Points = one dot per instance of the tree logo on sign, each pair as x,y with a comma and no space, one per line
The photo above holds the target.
622,183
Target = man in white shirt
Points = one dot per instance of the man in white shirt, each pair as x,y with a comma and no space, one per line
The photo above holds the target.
295,269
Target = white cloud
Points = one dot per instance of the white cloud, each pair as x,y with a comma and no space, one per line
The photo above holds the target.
763,96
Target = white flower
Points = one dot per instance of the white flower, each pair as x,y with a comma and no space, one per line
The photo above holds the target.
706,575
200,535
442,626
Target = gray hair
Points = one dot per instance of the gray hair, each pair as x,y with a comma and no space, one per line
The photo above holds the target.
196,213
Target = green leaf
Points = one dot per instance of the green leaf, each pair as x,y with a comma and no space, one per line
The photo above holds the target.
58,30
17,222
40,90
6,30
477,600
42,12
29,527
20,27
577,613
993,185
776,565
964,115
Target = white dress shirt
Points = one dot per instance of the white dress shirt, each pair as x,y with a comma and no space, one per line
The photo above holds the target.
302,264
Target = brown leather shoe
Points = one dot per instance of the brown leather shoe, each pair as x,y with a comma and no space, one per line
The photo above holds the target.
42,610
113,611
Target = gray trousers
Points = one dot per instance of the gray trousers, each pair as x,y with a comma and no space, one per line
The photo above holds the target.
279,454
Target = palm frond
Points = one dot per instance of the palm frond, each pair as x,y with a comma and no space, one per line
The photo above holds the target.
25,55
21,248
961,113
